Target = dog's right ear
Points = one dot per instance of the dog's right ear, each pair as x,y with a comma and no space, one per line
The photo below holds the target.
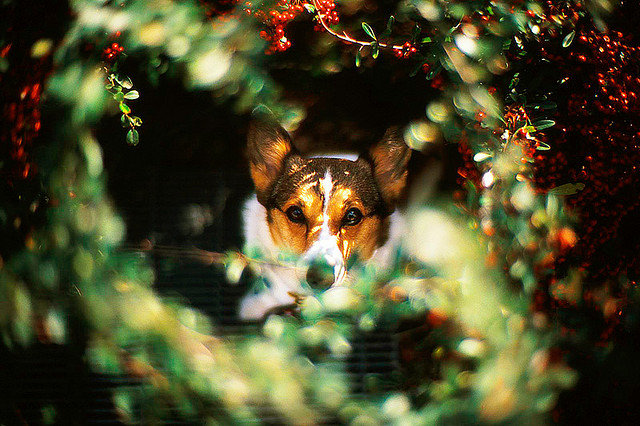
268,147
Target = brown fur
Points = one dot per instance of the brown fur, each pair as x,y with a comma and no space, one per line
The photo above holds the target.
390,158
283,179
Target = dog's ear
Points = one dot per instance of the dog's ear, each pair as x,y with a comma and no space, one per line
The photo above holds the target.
268,147
389,158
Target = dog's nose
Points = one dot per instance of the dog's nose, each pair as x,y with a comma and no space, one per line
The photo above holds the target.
320,274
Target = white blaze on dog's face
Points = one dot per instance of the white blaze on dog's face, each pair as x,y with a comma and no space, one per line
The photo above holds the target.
326,209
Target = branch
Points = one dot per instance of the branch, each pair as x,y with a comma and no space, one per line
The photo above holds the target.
346,37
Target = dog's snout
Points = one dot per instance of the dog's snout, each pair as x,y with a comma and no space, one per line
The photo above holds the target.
320,274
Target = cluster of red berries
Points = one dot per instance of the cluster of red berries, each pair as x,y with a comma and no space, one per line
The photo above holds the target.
406,51
467,172
111,53
276,22
326,10
562,12
617,83
555,18
517,119
20,118
599,145
25,115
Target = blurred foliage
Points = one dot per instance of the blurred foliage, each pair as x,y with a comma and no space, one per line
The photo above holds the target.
472,268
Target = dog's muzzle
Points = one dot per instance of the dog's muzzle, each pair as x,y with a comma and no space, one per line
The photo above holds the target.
325,266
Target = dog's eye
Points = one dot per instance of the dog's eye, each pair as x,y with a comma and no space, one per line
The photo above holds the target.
352,217
294,213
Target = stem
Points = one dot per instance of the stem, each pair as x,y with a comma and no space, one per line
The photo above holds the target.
346,37
113,82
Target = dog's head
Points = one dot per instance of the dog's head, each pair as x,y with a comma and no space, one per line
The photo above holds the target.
326,210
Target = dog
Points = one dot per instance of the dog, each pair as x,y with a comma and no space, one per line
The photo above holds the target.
324,210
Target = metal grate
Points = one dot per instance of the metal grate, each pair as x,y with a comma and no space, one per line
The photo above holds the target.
373,362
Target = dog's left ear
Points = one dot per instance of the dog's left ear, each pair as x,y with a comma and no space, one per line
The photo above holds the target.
268,147
390,158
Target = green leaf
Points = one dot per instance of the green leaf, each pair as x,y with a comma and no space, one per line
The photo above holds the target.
567,189
4,65
126,83
367,29
136,121
544,124
389,28
517,97
49,414
124,108
416,32
426,40
359,57
133,94
544,105
514,81
123,400
566,42
108,86
310,8
124,120
481,156
119,97
133,137
435,70
416,69
375,50
543,146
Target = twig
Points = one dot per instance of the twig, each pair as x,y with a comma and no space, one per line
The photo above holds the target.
207,257
346,37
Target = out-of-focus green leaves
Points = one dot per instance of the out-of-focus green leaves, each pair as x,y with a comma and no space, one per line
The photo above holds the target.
456,273
41,48
567,189
17,313
49,415
471,51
